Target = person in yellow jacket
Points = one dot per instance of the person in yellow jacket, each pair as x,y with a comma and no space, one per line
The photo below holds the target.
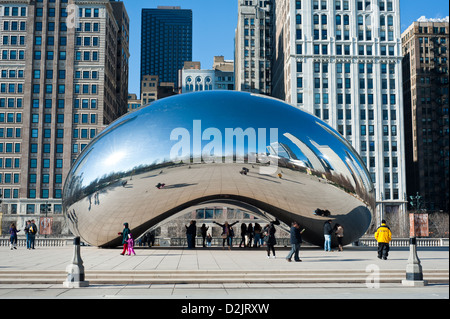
383,236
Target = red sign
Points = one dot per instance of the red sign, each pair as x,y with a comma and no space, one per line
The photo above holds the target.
418,225
45,225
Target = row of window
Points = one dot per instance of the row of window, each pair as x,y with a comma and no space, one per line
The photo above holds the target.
14,26
322,49
12,74
10,147
347,67
87,41
9,162
11,103
345,5
11,117
13,55
14,11
13,40
9,178
44,193
10,132
83,119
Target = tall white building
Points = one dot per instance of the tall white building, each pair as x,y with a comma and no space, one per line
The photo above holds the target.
341,61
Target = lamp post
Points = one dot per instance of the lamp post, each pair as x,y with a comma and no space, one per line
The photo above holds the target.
414,274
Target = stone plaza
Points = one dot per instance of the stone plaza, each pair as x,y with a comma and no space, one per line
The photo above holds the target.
216,273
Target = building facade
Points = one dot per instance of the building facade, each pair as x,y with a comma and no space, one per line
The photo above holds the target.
63,66
166,42
425,90
220,77
341,61
253,46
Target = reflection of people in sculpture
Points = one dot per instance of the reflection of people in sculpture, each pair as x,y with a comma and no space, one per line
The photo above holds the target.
160,185
244,171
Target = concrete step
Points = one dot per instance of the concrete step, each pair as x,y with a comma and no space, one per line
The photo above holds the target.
218,276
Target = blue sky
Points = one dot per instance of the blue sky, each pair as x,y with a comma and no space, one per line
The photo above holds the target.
214,23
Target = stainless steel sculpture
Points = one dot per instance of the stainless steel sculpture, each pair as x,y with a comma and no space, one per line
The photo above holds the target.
231,148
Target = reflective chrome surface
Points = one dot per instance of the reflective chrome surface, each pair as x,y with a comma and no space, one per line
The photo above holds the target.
294,164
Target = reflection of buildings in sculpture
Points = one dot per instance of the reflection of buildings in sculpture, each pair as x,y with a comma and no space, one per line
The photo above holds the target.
338,167
314,161
281,150
357,170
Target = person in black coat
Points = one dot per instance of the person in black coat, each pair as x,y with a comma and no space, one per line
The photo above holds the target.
270,237
191,231
296,241
243,234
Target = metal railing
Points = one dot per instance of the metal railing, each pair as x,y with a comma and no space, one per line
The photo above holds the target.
404,242
39,242
217,242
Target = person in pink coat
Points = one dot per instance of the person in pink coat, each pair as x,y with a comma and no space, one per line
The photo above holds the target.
130,245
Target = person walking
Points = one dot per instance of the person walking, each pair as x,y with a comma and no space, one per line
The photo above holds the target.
327,231
125,232
204,230
191,231
243,234
383,235
13,236
296,242
339,231
270,237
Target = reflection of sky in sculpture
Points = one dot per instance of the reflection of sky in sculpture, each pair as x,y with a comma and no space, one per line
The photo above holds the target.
119,155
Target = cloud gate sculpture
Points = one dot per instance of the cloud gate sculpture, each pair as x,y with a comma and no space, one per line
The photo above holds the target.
230,148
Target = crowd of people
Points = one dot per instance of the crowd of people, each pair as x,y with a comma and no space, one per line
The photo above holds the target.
30,231
251,236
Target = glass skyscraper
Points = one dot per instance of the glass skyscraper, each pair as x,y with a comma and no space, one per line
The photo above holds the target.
166,42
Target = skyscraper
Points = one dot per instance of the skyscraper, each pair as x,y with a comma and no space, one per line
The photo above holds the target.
166,42
425,89
341,61
253,46
61,70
